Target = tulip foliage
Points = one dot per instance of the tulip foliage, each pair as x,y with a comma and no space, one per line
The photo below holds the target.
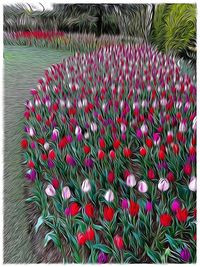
110,151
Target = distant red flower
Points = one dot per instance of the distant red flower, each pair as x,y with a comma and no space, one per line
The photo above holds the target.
81,238
44,157
161,154
170,177
31,164
127,152
118,241
165,220
74,208
101,154
38,117
195,213
52,154
102,143
86,149
143,151
116,144
90,234
151,174
175,149
112,154
182,215
133,208
111,176
41,141
89,210
149,142
187,168
24,143
108,213
55,183
192,150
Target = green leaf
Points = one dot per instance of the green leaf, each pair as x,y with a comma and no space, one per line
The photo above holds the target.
39,223
103,248
51,236
153,255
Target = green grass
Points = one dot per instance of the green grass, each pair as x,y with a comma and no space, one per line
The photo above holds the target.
23,66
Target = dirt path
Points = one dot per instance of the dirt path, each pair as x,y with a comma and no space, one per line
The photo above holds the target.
23,66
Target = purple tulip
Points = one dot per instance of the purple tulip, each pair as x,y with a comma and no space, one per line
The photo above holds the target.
31,175
149,206
124,204
67,211
70,160
185,254
51,164
102,257
176,204
55,135
69,138
33,145
139,133
88,163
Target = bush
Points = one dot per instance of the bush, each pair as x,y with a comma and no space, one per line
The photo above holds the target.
110,152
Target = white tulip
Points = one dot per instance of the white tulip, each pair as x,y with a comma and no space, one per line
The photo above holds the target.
78,130
130,180
142,186
193,184
50,190
86,135
163,184
46,146
86,186
109,196
66,193
144,128
123,128
93,126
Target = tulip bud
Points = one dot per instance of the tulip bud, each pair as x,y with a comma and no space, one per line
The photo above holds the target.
93,127
109,196
46,146
163,184
50,190
78,130
112,154
118,241
142,186
193,184
123,128
55,135
66,193
176,205
149,206
130,180
86,186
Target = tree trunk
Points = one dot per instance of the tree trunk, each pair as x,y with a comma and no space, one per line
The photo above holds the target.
99,22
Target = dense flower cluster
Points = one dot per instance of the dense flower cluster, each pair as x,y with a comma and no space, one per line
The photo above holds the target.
110,148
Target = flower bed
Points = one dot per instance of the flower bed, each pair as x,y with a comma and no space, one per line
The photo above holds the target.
60,40
110,153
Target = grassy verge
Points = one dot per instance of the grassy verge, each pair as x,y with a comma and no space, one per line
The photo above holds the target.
23,66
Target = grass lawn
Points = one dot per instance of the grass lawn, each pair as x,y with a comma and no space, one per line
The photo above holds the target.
23,66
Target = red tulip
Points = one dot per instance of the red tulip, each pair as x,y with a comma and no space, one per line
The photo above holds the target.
31,164
41,141
187,168
116,144
133,208
108,213
175,149
161,154
165,220
52,154
118,241
192,150
112,154
44,157
195,213
24,143
149,142
81,238
101,154
127,152
86,149
169,139
182,215
170,177
143,152
38,117
90,234
102,143
111,176
55,183
89,210
151,174
74,209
